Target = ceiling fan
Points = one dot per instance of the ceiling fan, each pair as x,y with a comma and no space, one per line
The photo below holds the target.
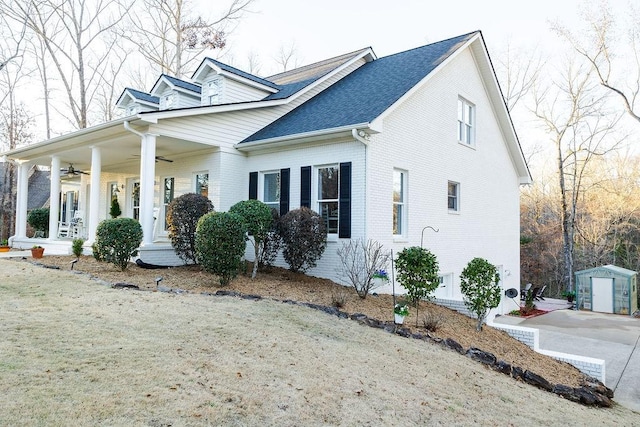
71,171
158,158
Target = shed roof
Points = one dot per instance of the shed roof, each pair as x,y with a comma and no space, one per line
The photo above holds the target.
609,267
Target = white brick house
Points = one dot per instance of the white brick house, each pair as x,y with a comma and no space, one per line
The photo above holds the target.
407,144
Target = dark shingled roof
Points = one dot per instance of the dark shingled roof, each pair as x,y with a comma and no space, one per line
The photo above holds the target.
244,74
39,185
183,84
143,96
364,94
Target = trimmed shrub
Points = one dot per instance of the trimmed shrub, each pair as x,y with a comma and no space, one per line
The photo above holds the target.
117,240
417,273
220,244
183,214
257,220
76,247
39,220
480,289
271,243
115,210
304,238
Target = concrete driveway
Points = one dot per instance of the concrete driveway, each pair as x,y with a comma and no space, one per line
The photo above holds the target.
614,338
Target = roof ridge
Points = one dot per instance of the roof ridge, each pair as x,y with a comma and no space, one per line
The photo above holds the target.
461,36
315,64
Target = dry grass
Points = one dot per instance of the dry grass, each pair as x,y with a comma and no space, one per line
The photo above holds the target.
73,352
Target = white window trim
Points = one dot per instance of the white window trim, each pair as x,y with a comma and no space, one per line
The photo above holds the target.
315,201
473,124
162,214
194,180
457,210
261,187
219,83
404,216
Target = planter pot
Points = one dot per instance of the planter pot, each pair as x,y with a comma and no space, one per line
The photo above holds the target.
37,252
398,319
570,298
5,248
378,282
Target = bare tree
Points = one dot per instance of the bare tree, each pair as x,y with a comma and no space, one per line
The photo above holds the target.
72,32
597,46
287,57
13,41
572,113
169,35
518,73
360,261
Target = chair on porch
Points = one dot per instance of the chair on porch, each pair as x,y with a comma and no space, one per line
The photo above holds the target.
77,225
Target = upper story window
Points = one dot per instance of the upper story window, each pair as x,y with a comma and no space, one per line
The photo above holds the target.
453,196
399,202
328,190
168,101
202,184
213,91
466,122
271,190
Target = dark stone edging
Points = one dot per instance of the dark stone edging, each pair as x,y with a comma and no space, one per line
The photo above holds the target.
592,392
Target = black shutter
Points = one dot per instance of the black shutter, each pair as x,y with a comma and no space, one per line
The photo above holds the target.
344,228
253,185
284,191
305,186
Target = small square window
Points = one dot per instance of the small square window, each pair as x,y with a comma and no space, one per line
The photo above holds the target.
453,196
466,122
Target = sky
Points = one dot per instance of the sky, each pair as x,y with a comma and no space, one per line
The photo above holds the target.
324,29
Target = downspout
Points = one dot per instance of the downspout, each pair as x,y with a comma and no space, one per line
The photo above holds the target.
128,127
363,137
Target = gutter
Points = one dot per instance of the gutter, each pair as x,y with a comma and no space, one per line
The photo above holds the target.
128,127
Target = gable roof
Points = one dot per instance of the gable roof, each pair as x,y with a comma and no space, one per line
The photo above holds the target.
366,93
173,81
240,73
138,96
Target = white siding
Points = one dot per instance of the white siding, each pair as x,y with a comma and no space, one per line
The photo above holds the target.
420,137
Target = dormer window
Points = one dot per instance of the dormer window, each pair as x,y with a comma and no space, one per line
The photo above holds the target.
132,109
213,91
169,101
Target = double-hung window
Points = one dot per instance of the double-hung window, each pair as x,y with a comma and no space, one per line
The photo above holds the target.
202,184
213,88
328,190
271,190
466,122
399,202
167,197
453,196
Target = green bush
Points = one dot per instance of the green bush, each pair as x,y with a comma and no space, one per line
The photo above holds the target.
480,289
76,247
39,220
418,273
304,238
117,240
115,210
220,244
257,220
271,244
183,214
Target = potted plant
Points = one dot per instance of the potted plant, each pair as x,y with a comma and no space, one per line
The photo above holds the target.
569,295
400,311
380,277
4,246
37,251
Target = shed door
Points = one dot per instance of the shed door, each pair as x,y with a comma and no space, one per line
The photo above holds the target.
602,294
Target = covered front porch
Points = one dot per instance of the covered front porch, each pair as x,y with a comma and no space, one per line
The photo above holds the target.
123,160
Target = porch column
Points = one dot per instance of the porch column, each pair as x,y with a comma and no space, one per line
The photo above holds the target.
54,197
21,200
94,197
147,176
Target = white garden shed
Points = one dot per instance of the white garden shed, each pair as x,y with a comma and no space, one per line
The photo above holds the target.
607,289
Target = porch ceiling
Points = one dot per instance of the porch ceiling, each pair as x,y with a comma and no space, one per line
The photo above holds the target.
117,146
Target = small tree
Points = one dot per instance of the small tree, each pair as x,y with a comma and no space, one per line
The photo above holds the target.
479,286
76,247
117,240
418,273
115,211
271,243
183,214
304,238
359,262
39,220
257,220
220,244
